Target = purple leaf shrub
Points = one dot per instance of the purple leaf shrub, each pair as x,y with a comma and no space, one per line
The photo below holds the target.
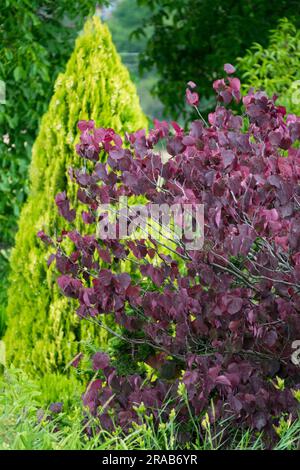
220,320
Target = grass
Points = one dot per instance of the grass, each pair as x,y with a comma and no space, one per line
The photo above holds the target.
21,400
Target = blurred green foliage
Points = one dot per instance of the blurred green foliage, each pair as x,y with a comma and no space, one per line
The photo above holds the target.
37,37
124,20
275,68
192,39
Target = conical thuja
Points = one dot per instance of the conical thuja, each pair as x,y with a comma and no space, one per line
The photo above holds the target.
43,330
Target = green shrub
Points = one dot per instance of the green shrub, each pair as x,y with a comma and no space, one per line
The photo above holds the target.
275,69
21,401
43,330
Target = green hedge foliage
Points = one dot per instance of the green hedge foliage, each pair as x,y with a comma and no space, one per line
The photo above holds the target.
275,69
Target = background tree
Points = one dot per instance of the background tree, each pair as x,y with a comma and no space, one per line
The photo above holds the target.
37,38
96,86
192,39
275,68
124,20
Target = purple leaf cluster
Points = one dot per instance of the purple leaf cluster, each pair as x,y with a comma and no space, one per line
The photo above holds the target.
225,315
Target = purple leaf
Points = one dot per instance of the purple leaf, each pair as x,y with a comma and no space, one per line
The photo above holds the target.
228,68
100,361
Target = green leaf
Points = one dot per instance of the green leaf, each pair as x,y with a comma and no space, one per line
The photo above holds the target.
18,72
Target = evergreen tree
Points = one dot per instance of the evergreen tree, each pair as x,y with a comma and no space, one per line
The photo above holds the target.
43,329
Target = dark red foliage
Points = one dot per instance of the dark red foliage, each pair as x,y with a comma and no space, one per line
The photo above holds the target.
225,315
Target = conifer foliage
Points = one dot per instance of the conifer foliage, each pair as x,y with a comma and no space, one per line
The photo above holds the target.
95,86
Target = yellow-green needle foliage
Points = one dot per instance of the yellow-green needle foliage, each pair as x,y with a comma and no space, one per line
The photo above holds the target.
43,331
